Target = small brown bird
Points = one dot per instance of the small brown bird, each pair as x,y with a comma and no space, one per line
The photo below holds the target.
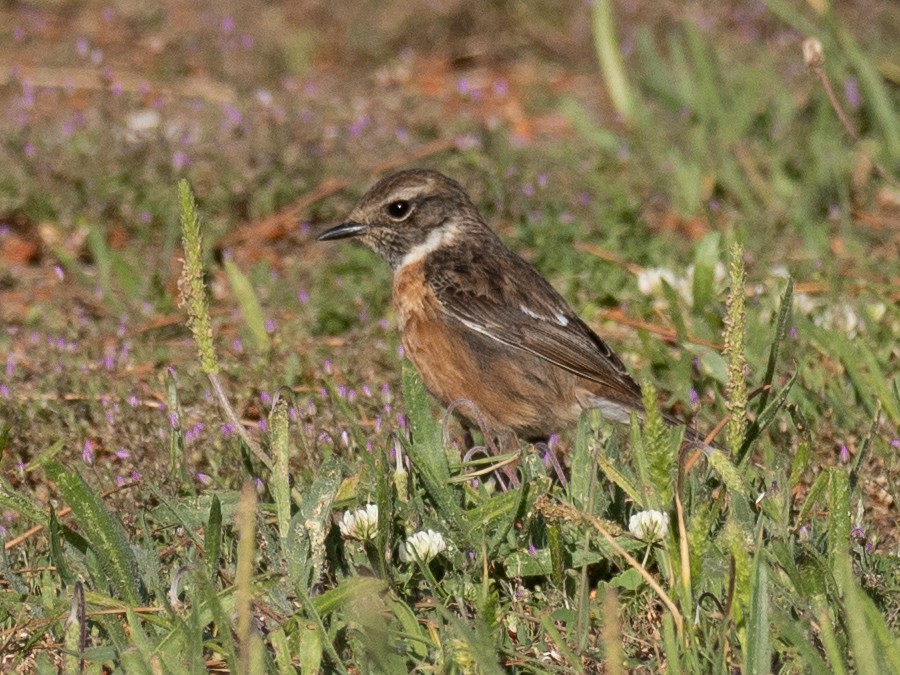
479,323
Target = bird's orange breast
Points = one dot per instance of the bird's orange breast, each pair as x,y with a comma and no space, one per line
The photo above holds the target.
510,388
440,354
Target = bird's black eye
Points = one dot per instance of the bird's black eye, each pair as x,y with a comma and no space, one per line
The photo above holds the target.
398,210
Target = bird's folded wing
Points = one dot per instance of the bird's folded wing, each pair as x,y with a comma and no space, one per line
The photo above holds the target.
535,318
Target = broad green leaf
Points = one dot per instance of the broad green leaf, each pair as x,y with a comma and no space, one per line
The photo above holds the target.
345,593
758,655
106,535
839,526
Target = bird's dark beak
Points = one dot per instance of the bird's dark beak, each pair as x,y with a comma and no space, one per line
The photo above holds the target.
342,231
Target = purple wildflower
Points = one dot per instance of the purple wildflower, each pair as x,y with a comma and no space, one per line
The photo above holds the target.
180,160
851,92
844,454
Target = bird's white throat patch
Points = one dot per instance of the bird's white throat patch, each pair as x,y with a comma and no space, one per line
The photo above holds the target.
438,237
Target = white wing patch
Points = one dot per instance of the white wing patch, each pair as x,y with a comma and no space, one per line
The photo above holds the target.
478,328
561,319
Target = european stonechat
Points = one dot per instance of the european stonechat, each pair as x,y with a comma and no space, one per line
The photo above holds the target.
478,322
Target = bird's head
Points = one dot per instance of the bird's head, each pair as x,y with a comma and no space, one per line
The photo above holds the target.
409,214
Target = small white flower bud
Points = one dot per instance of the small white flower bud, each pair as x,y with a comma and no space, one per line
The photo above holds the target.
813,53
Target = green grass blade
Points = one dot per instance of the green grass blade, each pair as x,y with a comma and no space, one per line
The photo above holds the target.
673,301
787,12
106,535
707,101
784,313
863,369
706,257
886,115
473,644
212,537
177,465
280,450
101,255
766,417
19,501
209,603
582,464
56,551
820,484
557,556
250,307
429,461
45,456
758,659
625,483
866,657
386,475
839,527
793,633
309,650
345,593
887,645
586,127
571,660
426,431
496,516
833,651
609,55
140,640
670,644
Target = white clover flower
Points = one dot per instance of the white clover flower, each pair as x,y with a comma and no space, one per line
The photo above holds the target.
805,304
842,318
649,280
424,545
649,525
361,524
142,125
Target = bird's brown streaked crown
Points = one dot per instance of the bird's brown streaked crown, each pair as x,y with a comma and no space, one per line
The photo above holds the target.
480,323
